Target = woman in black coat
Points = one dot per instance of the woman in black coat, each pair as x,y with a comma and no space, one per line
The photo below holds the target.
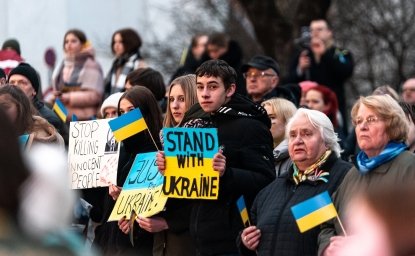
314,150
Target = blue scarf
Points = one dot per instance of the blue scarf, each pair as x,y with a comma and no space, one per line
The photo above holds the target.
392,150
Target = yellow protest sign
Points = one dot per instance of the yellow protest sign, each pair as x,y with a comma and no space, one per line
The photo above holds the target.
189,154
141,191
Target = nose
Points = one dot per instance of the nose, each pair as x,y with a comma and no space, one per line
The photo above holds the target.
297,140
175,104
205,93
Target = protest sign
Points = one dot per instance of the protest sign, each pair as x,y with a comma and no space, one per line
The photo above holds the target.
189,154
92,154
141,191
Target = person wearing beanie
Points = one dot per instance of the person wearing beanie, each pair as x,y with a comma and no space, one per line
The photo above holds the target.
110,105
10,55
26,78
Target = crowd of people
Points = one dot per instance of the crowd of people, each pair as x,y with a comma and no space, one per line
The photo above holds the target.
283,139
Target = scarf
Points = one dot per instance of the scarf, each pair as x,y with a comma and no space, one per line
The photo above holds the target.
313,172
366,164
127,65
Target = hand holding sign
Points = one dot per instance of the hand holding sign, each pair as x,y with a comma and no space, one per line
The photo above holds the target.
161,162
153,224
219,162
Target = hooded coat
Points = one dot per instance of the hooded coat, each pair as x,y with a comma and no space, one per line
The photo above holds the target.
243,133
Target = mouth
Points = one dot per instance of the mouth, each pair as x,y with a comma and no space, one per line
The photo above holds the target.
177,114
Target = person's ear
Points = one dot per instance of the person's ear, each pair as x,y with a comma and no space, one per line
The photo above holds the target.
231,90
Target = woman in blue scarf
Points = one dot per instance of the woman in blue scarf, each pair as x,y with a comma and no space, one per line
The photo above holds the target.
381,130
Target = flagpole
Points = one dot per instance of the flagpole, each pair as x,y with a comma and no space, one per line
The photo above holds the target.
155,144
341,225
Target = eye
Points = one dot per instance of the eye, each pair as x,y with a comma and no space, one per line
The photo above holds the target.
199,87
181,99
171,99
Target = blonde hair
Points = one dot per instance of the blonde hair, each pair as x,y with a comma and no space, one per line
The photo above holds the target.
188,85
283,109
387,109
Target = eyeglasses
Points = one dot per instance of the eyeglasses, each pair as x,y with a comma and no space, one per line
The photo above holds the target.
369,120
256,74
408,90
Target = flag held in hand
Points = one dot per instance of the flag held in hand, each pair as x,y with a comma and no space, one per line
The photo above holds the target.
243,211
60,110
128,124
314,211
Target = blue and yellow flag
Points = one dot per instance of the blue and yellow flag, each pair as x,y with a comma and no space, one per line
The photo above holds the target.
128,124
243,211
314,211
60,110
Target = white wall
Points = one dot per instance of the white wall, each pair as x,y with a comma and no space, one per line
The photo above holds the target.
39,24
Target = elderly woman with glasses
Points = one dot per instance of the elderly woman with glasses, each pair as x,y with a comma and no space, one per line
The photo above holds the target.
314,149
381,130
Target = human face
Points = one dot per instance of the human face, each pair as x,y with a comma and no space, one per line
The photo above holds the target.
215,52
8,105
177,103
372,138
118,45
314,100
128,86
408,91
277,125
211,93
72,44
320,29
200,47
305,143
126,106
24,84
258,85
110,112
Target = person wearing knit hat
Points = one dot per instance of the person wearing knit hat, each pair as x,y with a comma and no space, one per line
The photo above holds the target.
12,44
25,76
110,105
10,55
27,79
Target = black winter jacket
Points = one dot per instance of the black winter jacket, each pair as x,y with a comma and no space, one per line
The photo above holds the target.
271,212
243,131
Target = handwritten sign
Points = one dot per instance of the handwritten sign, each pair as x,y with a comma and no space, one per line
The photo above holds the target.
189,154
92,154
141,191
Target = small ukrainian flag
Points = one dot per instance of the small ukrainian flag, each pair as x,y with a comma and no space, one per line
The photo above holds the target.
60,110
242,210
314,211
128,124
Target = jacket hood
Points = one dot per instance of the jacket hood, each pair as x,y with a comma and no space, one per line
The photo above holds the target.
241,106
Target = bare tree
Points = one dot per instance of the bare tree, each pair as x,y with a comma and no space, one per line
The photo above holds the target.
380,34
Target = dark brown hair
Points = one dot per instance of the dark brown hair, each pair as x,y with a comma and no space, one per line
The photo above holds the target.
130,40
78,33
25,110
143,98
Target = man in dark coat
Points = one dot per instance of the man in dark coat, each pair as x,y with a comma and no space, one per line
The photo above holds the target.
325,63
244,136
26,78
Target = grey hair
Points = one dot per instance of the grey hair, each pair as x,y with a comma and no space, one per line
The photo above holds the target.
320,121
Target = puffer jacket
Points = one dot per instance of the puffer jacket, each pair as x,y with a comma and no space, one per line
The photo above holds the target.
271,212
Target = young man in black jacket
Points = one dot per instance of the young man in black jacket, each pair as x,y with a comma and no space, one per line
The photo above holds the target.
246,164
